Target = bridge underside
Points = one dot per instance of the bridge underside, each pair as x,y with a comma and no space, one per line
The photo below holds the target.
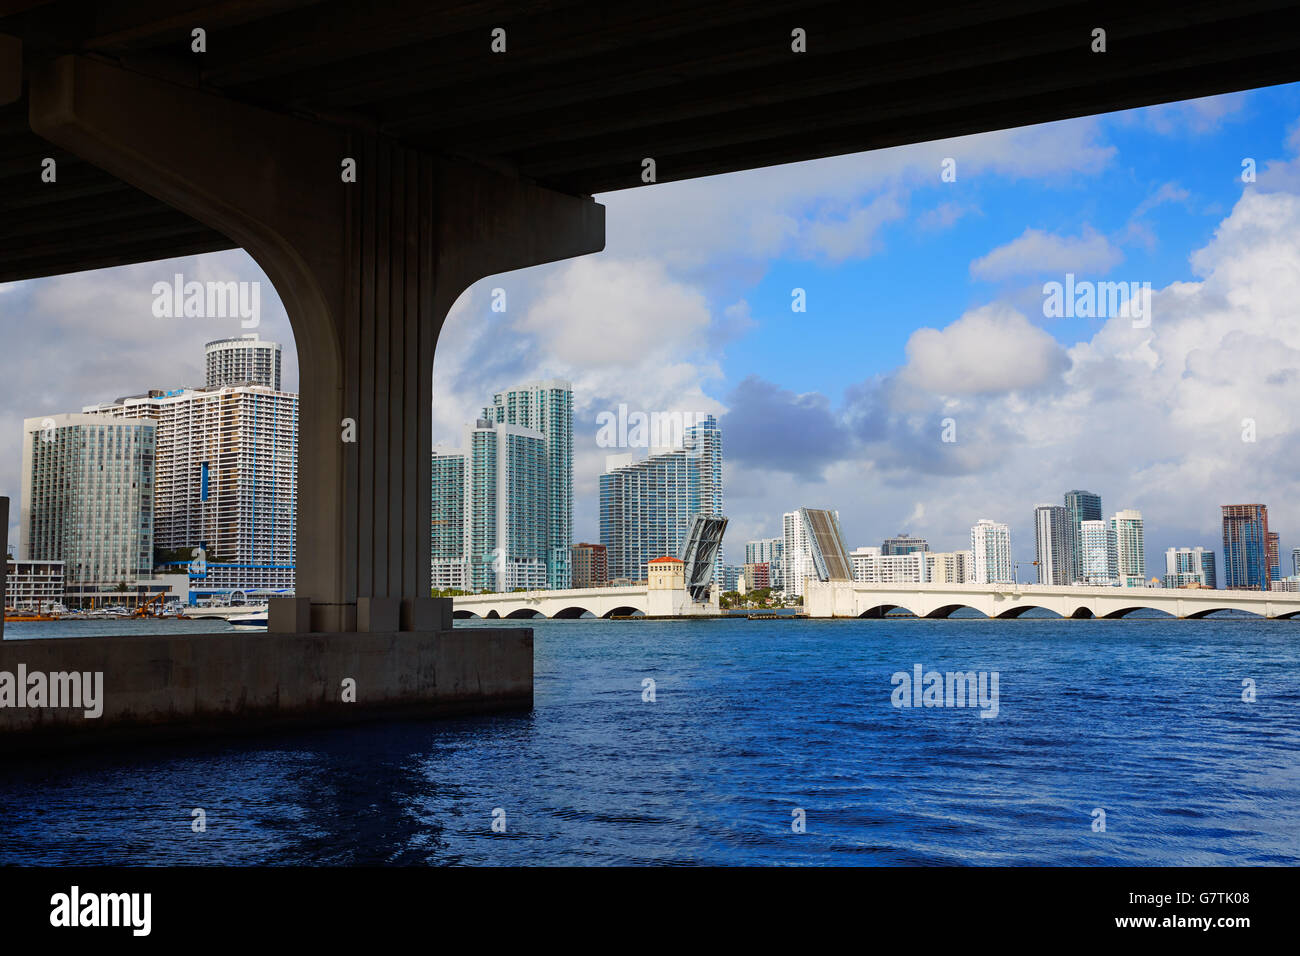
584,90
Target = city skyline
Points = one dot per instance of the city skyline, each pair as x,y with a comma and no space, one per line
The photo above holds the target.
530,457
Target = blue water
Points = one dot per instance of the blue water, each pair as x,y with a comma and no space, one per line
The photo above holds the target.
752,720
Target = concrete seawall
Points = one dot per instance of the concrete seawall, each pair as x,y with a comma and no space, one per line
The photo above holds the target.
173,686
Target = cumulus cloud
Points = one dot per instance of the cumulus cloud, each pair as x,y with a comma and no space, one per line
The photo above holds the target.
1036,251
988,350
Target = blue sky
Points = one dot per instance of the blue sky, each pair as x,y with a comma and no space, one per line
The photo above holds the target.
861,299
924,302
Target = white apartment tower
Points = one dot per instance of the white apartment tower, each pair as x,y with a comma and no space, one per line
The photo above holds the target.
991,543
1130,549
243,359
872,566
1098,562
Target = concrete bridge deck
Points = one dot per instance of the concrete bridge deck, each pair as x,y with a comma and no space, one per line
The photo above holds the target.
573,603
850,599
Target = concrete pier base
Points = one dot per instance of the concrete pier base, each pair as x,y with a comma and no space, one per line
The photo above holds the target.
174,686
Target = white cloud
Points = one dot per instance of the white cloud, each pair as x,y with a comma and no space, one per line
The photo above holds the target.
1036,252
777,211
1188,117
988,350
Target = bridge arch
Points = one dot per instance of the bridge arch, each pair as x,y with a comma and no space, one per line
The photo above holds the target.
572,613
530,613
460,614
948,610
623,610
1206,612
1020,609
880,610
1126,611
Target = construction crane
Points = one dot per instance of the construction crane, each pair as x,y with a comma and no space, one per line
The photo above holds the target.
143,610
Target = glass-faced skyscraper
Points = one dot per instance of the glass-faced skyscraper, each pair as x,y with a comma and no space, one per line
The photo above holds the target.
1245,547
1082,506
87,500
646,506
447,513
547,408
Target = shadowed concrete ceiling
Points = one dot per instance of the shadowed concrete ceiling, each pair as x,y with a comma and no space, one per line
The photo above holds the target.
586,90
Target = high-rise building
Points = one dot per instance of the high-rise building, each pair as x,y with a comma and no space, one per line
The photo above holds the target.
991,543
447,521
769,551
873,566
903,543
646,506
34,585
1054,541
1274,559
226,482
1295,562
1130,548
950,567
590,566
813,549
757,575
1099,562
1245,547
1185,567
242,360
547,407
1082,506
506,514
731,575
88,501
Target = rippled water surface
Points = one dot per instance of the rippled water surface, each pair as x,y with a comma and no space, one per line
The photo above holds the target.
752,720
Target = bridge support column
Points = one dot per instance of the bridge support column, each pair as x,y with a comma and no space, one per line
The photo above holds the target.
367,267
